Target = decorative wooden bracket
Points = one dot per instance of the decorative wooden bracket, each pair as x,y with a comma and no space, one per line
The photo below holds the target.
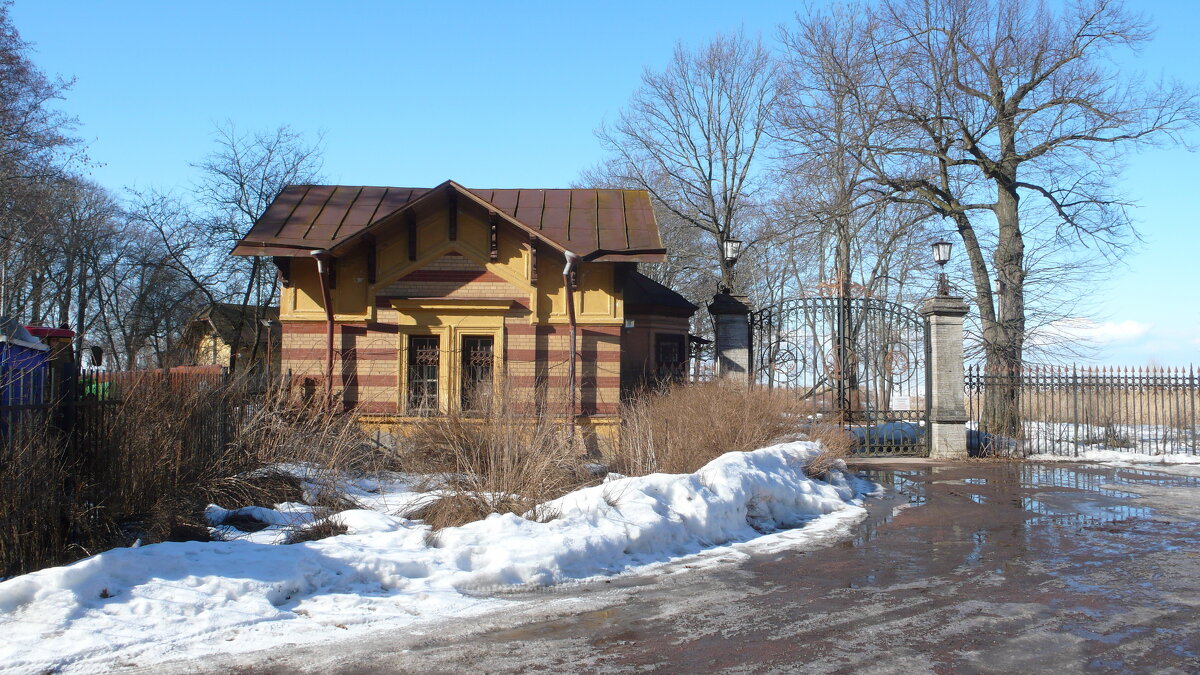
410,219
284,266
494,236
452,199
533,260
370,242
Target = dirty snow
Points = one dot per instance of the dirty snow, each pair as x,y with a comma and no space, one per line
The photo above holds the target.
142,605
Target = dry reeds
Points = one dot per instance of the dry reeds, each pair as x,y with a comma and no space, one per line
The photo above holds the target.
681,428
505,457
145,461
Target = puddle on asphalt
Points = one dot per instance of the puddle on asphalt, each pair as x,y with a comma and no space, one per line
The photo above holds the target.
1010,533
1071,494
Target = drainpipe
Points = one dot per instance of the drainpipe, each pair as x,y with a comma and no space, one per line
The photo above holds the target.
572,263
324,261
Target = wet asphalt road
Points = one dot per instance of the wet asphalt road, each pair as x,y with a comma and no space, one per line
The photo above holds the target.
989,568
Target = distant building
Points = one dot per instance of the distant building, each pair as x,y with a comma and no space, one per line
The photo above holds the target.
211,333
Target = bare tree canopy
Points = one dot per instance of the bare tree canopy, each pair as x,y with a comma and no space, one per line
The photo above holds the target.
979,104
692,135
239,181
32,132
851,240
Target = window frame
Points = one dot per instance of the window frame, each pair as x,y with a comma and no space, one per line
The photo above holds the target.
658,373
450,338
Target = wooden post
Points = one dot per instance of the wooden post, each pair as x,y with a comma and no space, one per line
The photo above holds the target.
410,220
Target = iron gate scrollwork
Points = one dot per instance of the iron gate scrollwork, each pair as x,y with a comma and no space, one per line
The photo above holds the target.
861,362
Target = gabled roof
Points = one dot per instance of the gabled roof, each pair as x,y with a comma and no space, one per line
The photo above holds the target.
227,319
594,224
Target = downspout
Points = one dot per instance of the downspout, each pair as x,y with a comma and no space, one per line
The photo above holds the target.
568,269
323,258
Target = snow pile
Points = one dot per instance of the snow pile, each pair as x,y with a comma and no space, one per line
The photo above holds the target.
168,600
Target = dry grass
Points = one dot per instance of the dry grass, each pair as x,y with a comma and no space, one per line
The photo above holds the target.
165,452
160,452
836,444
681,428
507,458
326,527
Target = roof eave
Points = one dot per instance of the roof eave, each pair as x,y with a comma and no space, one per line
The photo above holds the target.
653,255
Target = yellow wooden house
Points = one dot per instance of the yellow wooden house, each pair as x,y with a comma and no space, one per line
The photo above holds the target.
405,301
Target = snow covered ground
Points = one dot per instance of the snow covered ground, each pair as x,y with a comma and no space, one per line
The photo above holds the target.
186,600
1063,441
1117,456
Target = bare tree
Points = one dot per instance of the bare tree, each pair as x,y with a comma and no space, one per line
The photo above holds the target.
983,103
1025,105
688,268
241,178
692,136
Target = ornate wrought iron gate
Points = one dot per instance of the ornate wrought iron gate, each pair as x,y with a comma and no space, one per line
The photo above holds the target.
861,362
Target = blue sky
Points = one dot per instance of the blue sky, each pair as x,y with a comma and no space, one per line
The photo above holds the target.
504,95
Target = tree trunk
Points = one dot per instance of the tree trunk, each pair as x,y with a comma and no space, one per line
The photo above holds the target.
237,333
1005,344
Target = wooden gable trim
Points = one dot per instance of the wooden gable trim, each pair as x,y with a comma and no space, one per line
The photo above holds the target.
460,195
493,236
452,210
516,280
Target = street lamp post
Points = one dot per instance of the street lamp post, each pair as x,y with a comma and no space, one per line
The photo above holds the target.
731,250
731,319
941,255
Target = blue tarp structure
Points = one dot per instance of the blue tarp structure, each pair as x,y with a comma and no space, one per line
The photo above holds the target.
890,433
24,365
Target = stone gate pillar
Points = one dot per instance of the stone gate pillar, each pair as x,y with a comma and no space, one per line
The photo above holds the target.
731,323
947,401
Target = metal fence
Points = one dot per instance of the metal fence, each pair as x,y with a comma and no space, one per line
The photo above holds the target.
1071,410
79,450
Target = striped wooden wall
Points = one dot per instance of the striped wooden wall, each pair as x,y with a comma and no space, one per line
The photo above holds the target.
535,363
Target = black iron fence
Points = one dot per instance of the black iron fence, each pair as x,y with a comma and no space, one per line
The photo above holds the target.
1077,411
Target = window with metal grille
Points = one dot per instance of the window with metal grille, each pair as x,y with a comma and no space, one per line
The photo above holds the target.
670,357
424,357
476,372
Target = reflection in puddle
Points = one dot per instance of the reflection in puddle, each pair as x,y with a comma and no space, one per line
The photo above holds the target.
1044,492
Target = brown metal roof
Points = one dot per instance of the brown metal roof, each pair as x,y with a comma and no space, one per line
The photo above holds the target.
606,225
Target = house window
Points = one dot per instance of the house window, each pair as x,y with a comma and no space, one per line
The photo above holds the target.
477,360
670,358
424,357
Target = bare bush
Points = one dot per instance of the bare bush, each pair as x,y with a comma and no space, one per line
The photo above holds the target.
681,428
836,444
145,460
507,457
